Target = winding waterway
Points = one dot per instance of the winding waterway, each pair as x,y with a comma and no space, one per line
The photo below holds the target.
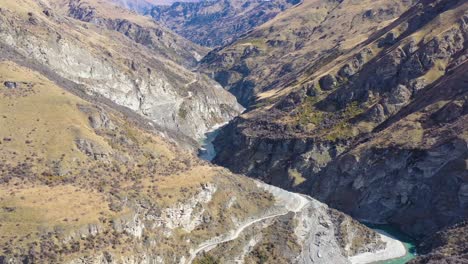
407,241
208,152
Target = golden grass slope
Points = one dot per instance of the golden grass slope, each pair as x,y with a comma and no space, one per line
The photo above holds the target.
60,202
39,116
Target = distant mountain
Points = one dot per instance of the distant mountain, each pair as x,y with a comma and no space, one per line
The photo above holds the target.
298,42
215,23
143,6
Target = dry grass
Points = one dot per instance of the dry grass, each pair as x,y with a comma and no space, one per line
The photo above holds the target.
45,120
437,71
141,167
42,207
407,134
296,177
21,7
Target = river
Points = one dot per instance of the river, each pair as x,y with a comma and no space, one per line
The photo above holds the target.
207,150
407,241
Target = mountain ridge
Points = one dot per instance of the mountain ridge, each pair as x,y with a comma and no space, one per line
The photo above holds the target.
217,23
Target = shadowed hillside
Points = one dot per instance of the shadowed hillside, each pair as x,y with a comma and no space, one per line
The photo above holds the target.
361,106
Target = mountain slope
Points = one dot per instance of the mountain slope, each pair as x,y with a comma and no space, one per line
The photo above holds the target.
140,29
447,245
297,42
86,183
378,131
216,23
84,180
106,62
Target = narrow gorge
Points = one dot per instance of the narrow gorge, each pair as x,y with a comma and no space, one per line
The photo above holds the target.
233,131
400,247
372,124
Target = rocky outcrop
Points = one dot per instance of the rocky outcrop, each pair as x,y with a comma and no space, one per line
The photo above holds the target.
446,246
272,159
315,234
91,149
10,85
188,215
414,198
216,23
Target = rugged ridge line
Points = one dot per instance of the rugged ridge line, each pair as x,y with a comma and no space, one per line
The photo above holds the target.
217,23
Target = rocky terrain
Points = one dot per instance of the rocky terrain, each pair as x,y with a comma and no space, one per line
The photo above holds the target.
96,112
362,105
215,23
87,183
140,29
446,246
120,56
298,43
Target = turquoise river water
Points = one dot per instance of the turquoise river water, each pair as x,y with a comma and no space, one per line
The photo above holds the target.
405,239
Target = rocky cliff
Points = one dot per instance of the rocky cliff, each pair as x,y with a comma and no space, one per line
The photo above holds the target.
313,233
216,23
446,246
84,182
129,61
374,126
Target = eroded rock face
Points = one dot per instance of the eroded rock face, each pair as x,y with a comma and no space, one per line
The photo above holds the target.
131,75
417,189
271,159
315,234
446,246
188,215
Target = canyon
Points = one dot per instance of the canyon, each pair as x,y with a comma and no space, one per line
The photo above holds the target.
314,131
